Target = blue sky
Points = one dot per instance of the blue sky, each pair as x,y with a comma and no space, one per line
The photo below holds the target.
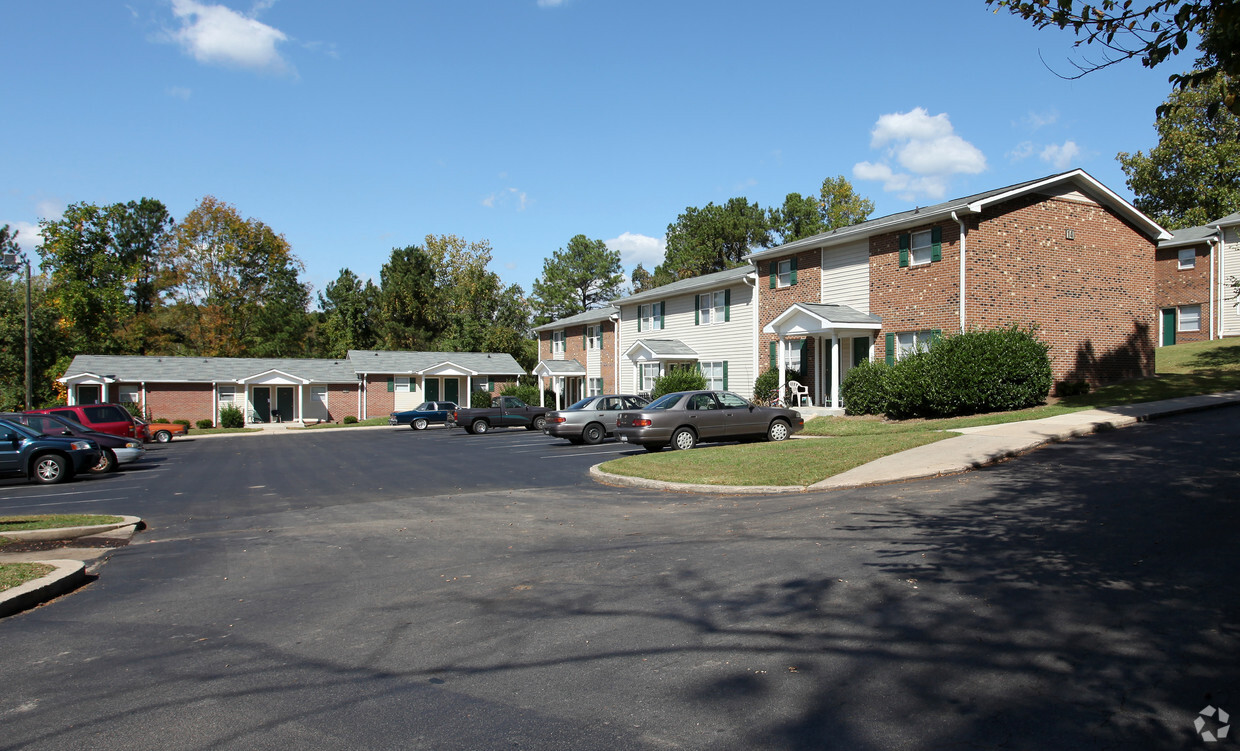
353,128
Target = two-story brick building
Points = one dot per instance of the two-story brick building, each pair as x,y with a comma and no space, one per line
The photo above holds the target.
577,356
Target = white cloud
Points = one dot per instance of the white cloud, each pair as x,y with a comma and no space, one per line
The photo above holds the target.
1023,150
221,35
1062,157
508,197
179,92
635,249
550,3
925,147
28,236
1036,120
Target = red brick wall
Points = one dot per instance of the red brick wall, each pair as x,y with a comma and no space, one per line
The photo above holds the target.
175,401
341,400
772,302
1175,286
544,345
607,359
1092,296
379,401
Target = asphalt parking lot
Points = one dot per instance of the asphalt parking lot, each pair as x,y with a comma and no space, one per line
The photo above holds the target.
389,589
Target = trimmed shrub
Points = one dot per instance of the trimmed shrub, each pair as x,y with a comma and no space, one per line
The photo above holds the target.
864,389
180,422
1071,388
483,398
161,421
349,420
678,379
527,394
231,417
205,424
767,384
132,408
909,384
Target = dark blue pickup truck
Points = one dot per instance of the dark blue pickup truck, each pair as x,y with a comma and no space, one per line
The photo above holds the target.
504,412
43,458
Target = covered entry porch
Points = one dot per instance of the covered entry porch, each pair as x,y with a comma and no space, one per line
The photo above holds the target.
273,396
837,337
567,379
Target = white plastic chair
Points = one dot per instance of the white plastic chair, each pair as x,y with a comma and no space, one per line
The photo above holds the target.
800,394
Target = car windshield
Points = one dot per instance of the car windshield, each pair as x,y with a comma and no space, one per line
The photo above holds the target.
667,401
581,404
425,407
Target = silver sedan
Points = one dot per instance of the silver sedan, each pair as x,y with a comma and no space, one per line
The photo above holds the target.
592,419
684,418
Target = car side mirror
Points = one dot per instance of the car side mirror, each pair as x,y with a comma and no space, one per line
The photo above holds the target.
8,436
66,432
751,408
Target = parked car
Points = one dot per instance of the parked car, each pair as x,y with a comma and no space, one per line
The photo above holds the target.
106,418
113,450
422,415
504,412
44,459
684,418
160,432
592,419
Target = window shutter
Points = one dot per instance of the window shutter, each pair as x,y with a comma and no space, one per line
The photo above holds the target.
639,318
391,384
936,243
725,375
904,243
697,310
891,349
774,357
935,335
804,358
793,264
727,305
774,273
585,337
662,323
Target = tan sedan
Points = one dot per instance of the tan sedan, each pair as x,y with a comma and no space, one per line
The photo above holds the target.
685,418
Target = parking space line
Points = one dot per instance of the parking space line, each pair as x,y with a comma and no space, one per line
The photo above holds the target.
580,453
67,503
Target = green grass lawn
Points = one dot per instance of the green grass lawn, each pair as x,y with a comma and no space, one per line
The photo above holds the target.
17,574
1180,370
53,521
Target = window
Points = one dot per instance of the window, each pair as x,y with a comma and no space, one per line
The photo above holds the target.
908,342
713,307
318,395
784,275
732,401
647,372
227,396
714,373
594,386
920,248
557,342
594,337
403,384
1190,318
650,317
1188,259
129,394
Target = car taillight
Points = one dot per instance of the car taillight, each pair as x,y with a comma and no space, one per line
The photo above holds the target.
639,423
557,419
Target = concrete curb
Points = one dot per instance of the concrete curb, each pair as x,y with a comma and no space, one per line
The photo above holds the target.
72,533
68,576
973,448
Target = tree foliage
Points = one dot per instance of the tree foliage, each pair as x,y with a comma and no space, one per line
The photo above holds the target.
714,238
1154,32
840,205
1193,175
351,318
581,276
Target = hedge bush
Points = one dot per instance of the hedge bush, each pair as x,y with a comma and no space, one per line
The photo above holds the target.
767,384
527,394
864,389
231,417
205,424
180,422
678,379
482,398
348,420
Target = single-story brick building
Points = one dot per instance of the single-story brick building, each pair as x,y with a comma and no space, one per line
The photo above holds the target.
364,384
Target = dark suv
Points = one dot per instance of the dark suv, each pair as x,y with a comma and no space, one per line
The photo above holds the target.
42,458
113,450
106,418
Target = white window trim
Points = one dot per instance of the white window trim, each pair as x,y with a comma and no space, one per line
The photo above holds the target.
1179,318
319,389
650,316
642,368
402,384
783,274
712,371
920,255
1186,259
592,337
919,342
558,341
711,307
594,386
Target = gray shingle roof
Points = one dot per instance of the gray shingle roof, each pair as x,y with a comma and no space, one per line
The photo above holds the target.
1227,221
1188,236
135,368
665,347
839,313
590,316
561,367
706,281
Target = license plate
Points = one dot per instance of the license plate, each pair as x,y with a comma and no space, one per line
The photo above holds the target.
624,439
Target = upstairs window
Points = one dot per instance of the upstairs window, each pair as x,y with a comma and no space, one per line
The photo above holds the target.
920,248
713,307
557,342
1188,258
650,317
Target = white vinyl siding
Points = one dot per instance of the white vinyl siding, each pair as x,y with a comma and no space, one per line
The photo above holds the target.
1229,306
732,341
846,276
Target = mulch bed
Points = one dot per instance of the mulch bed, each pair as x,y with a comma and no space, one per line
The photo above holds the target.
36,546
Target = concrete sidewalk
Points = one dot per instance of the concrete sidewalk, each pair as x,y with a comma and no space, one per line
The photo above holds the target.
973,448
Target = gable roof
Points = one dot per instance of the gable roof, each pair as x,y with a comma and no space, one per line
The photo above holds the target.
559,367
483,363
969,205
1189,236
1228,221
694,284
589,316
662,349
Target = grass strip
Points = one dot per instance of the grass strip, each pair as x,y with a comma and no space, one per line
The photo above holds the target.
373,421
54,521
796,462
17,574
222,431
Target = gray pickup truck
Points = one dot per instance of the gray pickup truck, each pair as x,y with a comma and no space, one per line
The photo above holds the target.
504,412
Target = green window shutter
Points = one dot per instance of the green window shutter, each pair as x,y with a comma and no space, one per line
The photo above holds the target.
639,319
601,340
793,264
725,375
391,384
774,273
804,358
697,310
904,243
936,243
935,335
727,305
891,349
662,322
774,355
585,337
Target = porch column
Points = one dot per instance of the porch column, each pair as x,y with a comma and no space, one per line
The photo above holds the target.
820,357
835,370
782,367
301,404
542,392
469,390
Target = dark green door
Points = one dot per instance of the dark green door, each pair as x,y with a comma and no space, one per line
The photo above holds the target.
284,403
262,403
432,389
861,350
452,390
1168,327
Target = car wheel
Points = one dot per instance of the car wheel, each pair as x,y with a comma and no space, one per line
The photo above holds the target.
653,447
479,426
50,469
162,436
419,424
778,431
593,434
684,439
106,463
538,423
